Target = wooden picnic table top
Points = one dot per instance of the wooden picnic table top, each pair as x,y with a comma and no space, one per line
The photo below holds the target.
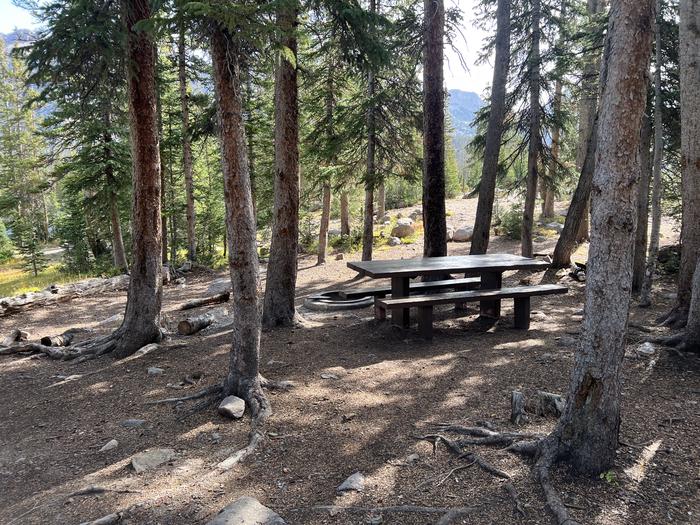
493,262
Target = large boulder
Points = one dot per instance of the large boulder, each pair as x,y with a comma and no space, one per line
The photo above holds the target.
464,234
403,228
247,511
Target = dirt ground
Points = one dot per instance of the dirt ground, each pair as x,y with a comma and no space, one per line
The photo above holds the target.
381,388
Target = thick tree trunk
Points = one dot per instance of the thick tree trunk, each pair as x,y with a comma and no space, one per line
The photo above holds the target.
163,206
548,185
645,296
692,330
243,377
186,143
577,218
690,147
494,132
535,146
344,214
141,324
323,228
587,433
640,243
282,268
434,217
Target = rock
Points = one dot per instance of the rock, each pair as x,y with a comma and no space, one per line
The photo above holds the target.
555,226
327,375
450,234
540,239
403,228
348,417
334,233
186,266
646,349
412,459
539,316
339,257
110,445
219,286
568,342
150,459
384,220
215,437
394,241
247,511
356,482
133,423
232,407
416,215
155,371
463,234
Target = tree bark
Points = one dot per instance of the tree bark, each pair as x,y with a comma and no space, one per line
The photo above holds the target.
381,200
434,216
640,243
535,146
548,185
371,175
344,214
645,296
323,228
141,324
587,433
577,218
282,269
692,329
186,142
243,377
494,132
690,148
118,251
163,215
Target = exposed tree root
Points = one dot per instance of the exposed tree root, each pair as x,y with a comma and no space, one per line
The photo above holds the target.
449,515
680,342
510,489
214,390
676,318
545,450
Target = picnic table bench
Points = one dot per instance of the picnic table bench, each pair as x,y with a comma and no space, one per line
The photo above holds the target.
488,269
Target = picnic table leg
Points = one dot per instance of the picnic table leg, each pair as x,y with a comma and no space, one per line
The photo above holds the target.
491,281
400,287
379,311
522,313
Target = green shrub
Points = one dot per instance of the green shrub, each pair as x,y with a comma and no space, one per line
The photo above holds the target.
347,243
511,222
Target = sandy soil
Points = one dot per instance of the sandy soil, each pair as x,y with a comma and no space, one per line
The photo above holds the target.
390,388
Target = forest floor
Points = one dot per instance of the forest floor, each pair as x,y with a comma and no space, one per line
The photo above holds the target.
363,392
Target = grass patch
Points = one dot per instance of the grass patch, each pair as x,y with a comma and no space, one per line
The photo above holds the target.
15,281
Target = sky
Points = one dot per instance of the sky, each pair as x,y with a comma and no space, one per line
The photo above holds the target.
468,43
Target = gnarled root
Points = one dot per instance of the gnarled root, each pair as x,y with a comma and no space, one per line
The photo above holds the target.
676,318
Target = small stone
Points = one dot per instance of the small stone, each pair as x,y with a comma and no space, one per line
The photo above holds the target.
155,371
568,342
232,407
412,459
348,417
555,226
247,511
339,257
326,375
133,423
450,234
464,234
355,482
394,241
151,459
215,437
646,349
110,445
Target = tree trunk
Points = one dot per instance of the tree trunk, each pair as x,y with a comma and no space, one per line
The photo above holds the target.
243,377
640,243
535,146
577,218
371,175
587,433
381,201
186,143
434,217
325,219
494,132
282,268
692,330
344,214
690,147
163,206
141,324
645,296
118,251
548,185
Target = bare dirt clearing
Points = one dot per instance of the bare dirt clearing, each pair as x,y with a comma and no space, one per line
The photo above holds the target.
380,388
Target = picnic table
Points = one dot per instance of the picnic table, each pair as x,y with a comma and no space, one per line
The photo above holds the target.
489,268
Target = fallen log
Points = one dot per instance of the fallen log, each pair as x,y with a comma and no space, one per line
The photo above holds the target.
32,348
192,325
549,404
64,339
213,299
